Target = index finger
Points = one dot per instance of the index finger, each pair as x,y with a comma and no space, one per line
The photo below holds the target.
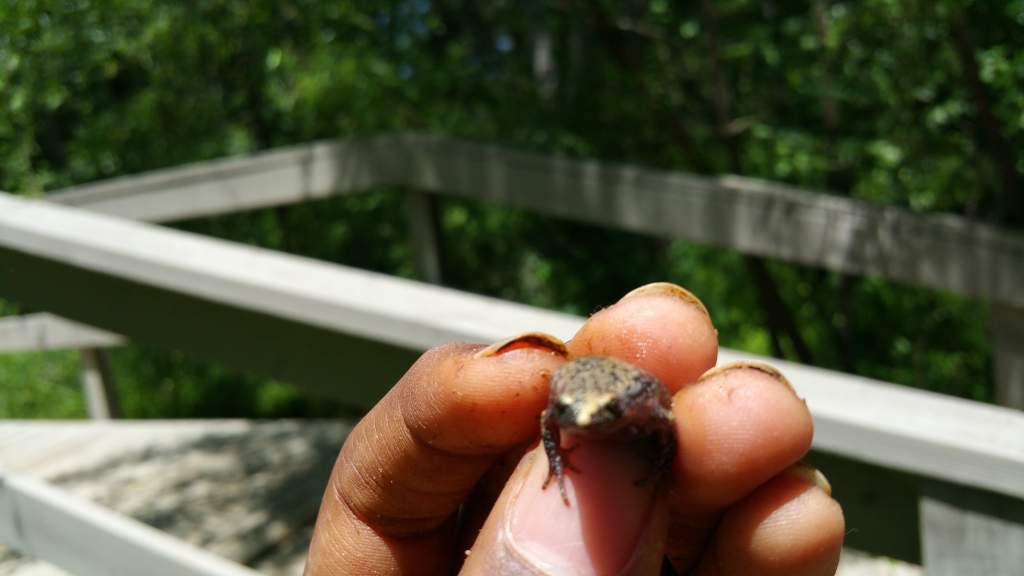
661,328
406,467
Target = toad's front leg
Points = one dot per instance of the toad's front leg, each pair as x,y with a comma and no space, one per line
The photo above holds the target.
661,449
552,438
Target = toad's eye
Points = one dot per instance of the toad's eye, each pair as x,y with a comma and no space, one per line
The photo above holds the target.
564,406
613,409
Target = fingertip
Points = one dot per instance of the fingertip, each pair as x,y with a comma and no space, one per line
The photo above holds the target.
661,328
482,400
790,525
738,426
668,289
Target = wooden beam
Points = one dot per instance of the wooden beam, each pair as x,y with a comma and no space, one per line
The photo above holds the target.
421,209
908,429
39,520
752,216
48,332
98,385
966,531
274,178
351,333
1008,348
313,323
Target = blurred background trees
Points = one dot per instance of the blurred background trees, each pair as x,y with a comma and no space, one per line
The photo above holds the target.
910,103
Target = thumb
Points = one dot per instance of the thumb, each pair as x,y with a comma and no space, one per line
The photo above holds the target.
611,526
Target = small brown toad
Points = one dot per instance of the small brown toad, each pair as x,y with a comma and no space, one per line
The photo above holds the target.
611,400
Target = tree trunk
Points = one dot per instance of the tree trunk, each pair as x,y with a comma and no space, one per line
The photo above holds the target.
1010,207
778,317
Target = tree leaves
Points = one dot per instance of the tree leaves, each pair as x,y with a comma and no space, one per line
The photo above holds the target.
864,99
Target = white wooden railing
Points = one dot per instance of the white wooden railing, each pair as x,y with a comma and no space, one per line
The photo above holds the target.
750,216
350,332
89,540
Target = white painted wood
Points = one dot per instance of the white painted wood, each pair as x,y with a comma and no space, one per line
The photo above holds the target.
374,306
909,429
207,285
97,384
44,331
854,563
50,449
239,489
420,209
231,185
751,216
88,540
223,479
1008,348
970,532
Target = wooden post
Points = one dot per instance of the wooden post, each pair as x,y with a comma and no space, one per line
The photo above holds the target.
422,212
1008,347
968,531
98,385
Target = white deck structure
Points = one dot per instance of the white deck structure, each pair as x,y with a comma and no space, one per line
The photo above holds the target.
245,491
351,332
748,215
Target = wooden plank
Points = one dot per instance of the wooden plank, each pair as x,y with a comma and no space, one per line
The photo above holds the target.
175,473
88,540
421,210
98,385
225,186
57,448
910,429
879,505
308,321
1008,348
43,331
238,489
350,333
751,216
971,532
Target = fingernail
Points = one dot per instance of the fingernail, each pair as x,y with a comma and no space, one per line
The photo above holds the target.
812,475
601,529
535,340
668,289
747,365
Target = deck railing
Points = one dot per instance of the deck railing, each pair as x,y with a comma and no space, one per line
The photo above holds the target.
351,332
751,216
88,540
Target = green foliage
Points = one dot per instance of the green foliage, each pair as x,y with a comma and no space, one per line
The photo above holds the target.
40,384
161,384
869,100
367,231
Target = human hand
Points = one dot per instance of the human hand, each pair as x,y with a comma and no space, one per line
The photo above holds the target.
448,462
